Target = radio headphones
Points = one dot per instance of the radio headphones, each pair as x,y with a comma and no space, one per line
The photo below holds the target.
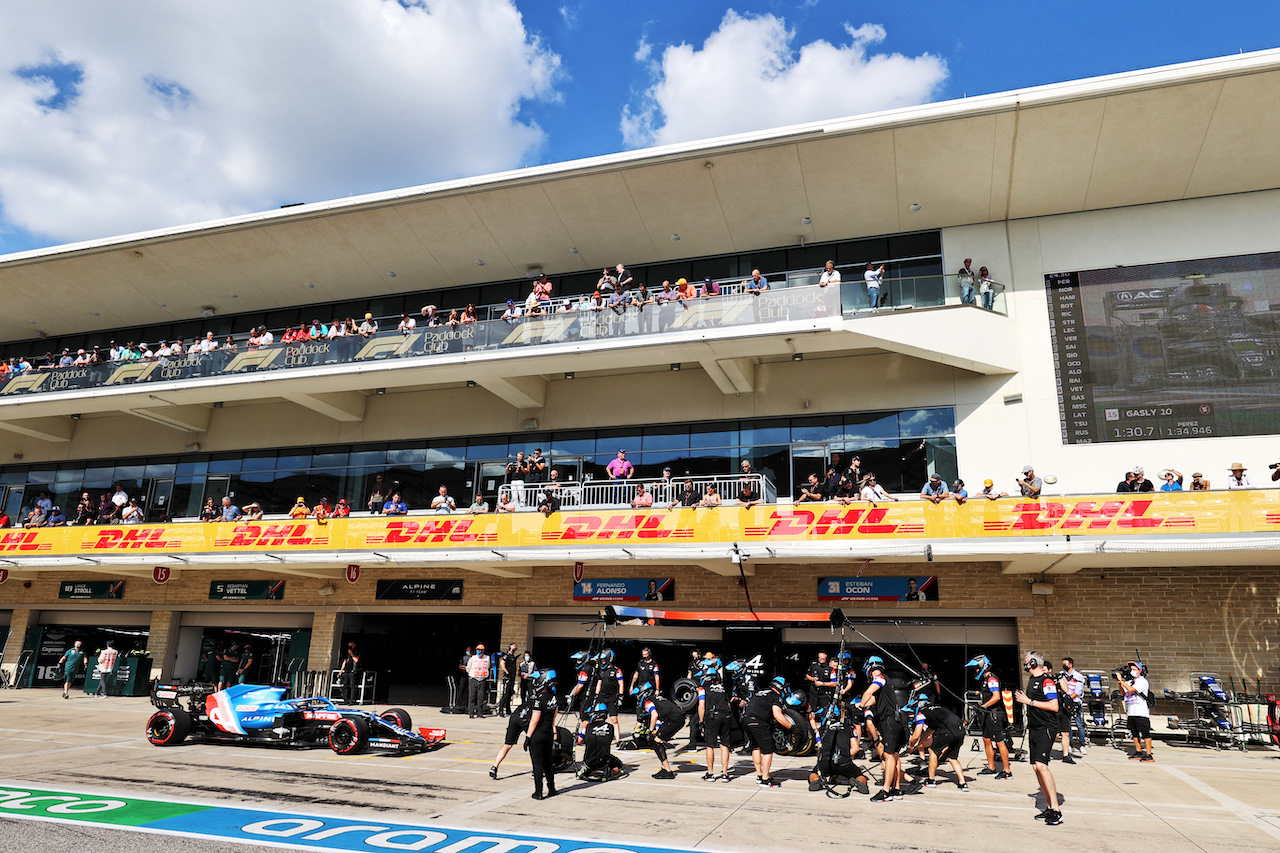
1034,661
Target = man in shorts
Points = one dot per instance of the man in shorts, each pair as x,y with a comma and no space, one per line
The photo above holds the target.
762,710
948,737
1135,707
882,707
715,717
1041,699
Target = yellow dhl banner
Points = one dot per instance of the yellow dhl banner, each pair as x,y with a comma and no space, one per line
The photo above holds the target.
1107,515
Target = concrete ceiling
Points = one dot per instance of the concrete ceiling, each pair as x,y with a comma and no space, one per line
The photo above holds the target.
1198,129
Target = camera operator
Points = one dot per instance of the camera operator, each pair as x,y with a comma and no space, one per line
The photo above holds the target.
1133,683
1070,695
1041,699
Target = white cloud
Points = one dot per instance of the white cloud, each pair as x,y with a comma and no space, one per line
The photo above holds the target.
747,76
643,50
192,111
570,15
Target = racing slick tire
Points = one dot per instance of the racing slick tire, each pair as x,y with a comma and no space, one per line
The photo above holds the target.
349,736
398,716
562,760
685,694
797,740
168,727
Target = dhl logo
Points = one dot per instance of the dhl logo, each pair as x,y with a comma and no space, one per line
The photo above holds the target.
270,535
1088,515
832,522
135,371
23,541
125,540
436,530
615,527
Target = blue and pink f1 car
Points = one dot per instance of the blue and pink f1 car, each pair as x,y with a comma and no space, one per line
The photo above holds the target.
257,714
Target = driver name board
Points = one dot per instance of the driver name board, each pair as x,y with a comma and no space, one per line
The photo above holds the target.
246,590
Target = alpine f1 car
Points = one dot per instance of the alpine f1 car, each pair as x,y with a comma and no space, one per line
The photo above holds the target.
257,714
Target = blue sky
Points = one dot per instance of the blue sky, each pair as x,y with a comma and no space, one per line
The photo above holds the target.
126,116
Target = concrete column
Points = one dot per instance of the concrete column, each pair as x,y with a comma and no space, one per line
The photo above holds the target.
326,634
516,628
162,643
20,622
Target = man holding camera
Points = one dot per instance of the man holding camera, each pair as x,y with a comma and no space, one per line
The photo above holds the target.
1132,678
1041,699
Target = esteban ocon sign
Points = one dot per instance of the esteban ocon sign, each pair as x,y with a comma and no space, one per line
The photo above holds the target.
312,832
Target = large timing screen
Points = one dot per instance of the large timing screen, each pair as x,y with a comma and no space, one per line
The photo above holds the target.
1175,350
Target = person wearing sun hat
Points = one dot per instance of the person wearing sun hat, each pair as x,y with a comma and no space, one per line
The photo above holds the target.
1238,479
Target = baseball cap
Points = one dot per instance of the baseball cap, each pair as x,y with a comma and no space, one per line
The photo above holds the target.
988,483
1137,469
1027,470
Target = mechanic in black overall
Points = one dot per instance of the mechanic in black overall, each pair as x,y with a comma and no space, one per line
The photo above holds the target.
507,663
646,671
662,718
714,715
598,760
516,724
608,687
822,685
884,712
839,744
541,733
763,709
230,658
948,737
351,672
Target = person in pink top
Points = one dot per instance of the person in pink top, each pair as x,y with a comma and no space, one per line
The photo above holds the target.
620,468
106,668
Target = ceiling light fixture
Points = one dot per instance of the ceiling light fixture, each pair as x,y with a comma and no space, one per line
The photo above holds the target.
806,220
675,367
915,207
471,383
479,262
797,356
207,311
391,273
94,314
568,374
308,285
161,305
380,391
573,250
675,238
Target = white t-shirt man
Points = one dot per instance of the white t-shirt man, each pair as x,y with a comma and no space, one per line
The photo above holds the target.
1135,704
829,276
478,666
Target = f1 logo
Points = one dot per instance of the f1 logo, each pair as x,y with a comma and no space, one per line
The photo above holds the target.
160,574
353,573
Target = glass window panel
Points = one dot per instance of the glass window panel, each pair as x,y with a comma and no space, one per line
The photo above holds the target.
769,263
410,455
481,450
924,422
287,487
765,432
568,446
436,455
41,475
774,462
16,476
862,252
189,468
369,457
914,245
161,469
128,472
329,460
453,476
411,485
258,462
293,461
611,441
224,466
862,426
675,437
706,435
820,428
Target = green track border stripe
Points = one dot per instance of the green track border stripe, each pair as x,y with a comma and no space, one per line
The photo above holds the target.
24,801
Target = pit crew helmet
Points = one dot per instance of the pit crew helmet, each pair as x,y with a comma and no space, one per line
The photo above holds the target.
600,711
778,683
545,682
982,662
579,658
873,662
605,657
643,691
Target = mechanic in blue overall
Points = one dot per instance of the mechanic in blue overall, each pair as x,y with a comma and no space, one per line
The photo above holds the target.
993,718
598,760
715,716
661,719
541,733
517,723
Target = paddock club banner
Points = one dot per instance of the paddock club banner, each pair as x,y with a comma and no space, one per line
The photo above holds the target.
1167,513
625,589
878,589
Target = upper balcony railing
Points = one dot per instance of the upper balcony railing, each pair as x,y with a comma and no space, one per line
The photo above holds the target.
792,297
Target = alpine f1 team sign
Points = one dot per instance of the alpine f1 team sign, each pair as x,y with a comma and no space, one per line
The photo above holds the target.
878,589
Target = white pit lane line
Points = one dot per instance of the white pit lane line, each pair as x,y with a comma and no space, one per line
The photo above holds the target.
1262,820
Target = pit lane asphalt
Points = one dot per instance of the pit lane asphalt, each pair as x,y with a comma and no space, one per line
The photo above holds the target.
1191,798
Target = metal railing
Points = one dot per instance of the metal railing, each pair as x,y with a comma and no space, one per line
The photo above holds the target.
606,494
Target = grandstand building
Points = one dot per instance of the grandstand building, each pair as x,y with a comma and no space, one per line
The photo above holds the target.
1129,226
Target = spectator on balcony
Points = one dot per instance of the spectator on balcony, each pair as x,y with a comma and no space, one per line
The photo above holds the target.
209,512
369,327
105,509
227,352
666,300
5,521
747,494
506,504
987,289
319,330
846,491
376,498
1140,482
57,518
254,341
1029,484
757,284
836,470
468,315
178,347
1238,479
265,336
989,491
251,512
935,491
442,503
164,353
619,301
1126,485
37,517
542,291
517,474
299,510
6,367
1173,480
23,366
872,491
620,468
342,509
429,316
607,283
206,349
406,325
114,352
643,498
66,359
396,506
322,511
454,320
959,492
812,492
479,506
685,290
81,359
712,497
550,499
874,278
119,501
1198,483
689,497
830,275
709,287
44,502
231,512
856,474
643,301
965,279
131,514
513,313
622,277
86,511
538,467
